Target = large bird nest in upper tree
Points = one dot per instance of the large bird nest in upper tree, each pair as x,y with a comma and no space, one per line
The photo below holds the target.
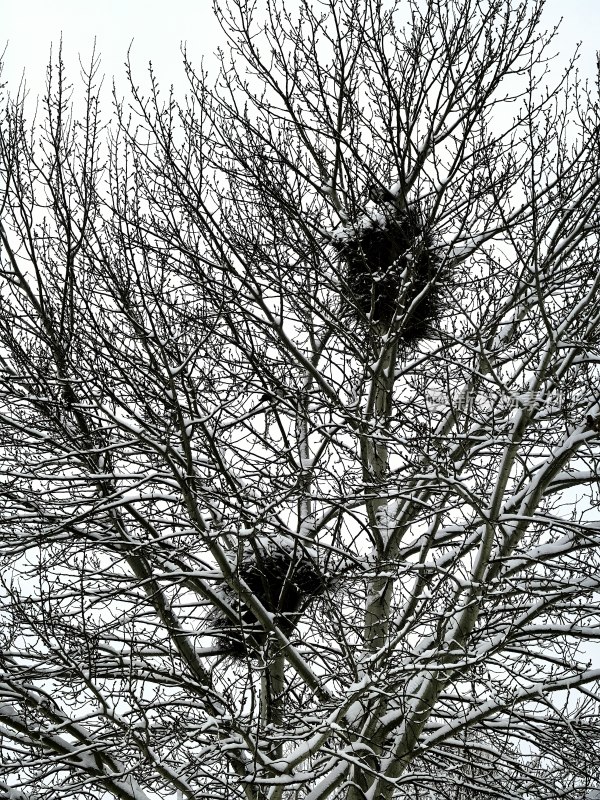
284,576
393,274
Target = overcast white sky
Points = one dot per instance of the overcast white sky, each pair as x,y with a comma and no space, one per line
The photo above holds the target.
157,27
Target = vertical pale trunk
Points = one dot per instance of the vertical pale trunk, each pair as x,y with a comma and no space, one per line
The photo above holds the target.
379,589
304,458
375,468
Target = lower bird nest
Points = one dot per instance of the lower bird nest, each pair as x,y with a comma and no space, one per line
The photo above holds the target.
284,577
393,274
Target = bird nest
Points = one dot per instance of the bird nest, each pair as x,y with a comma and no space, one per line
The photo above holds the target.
284,577
393,274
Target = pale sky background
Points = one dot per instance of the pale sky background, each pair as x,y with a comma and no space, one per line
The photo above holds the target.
157,28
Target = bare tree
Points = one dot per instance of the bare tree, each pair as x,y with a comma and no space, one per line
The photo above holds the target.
300,418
